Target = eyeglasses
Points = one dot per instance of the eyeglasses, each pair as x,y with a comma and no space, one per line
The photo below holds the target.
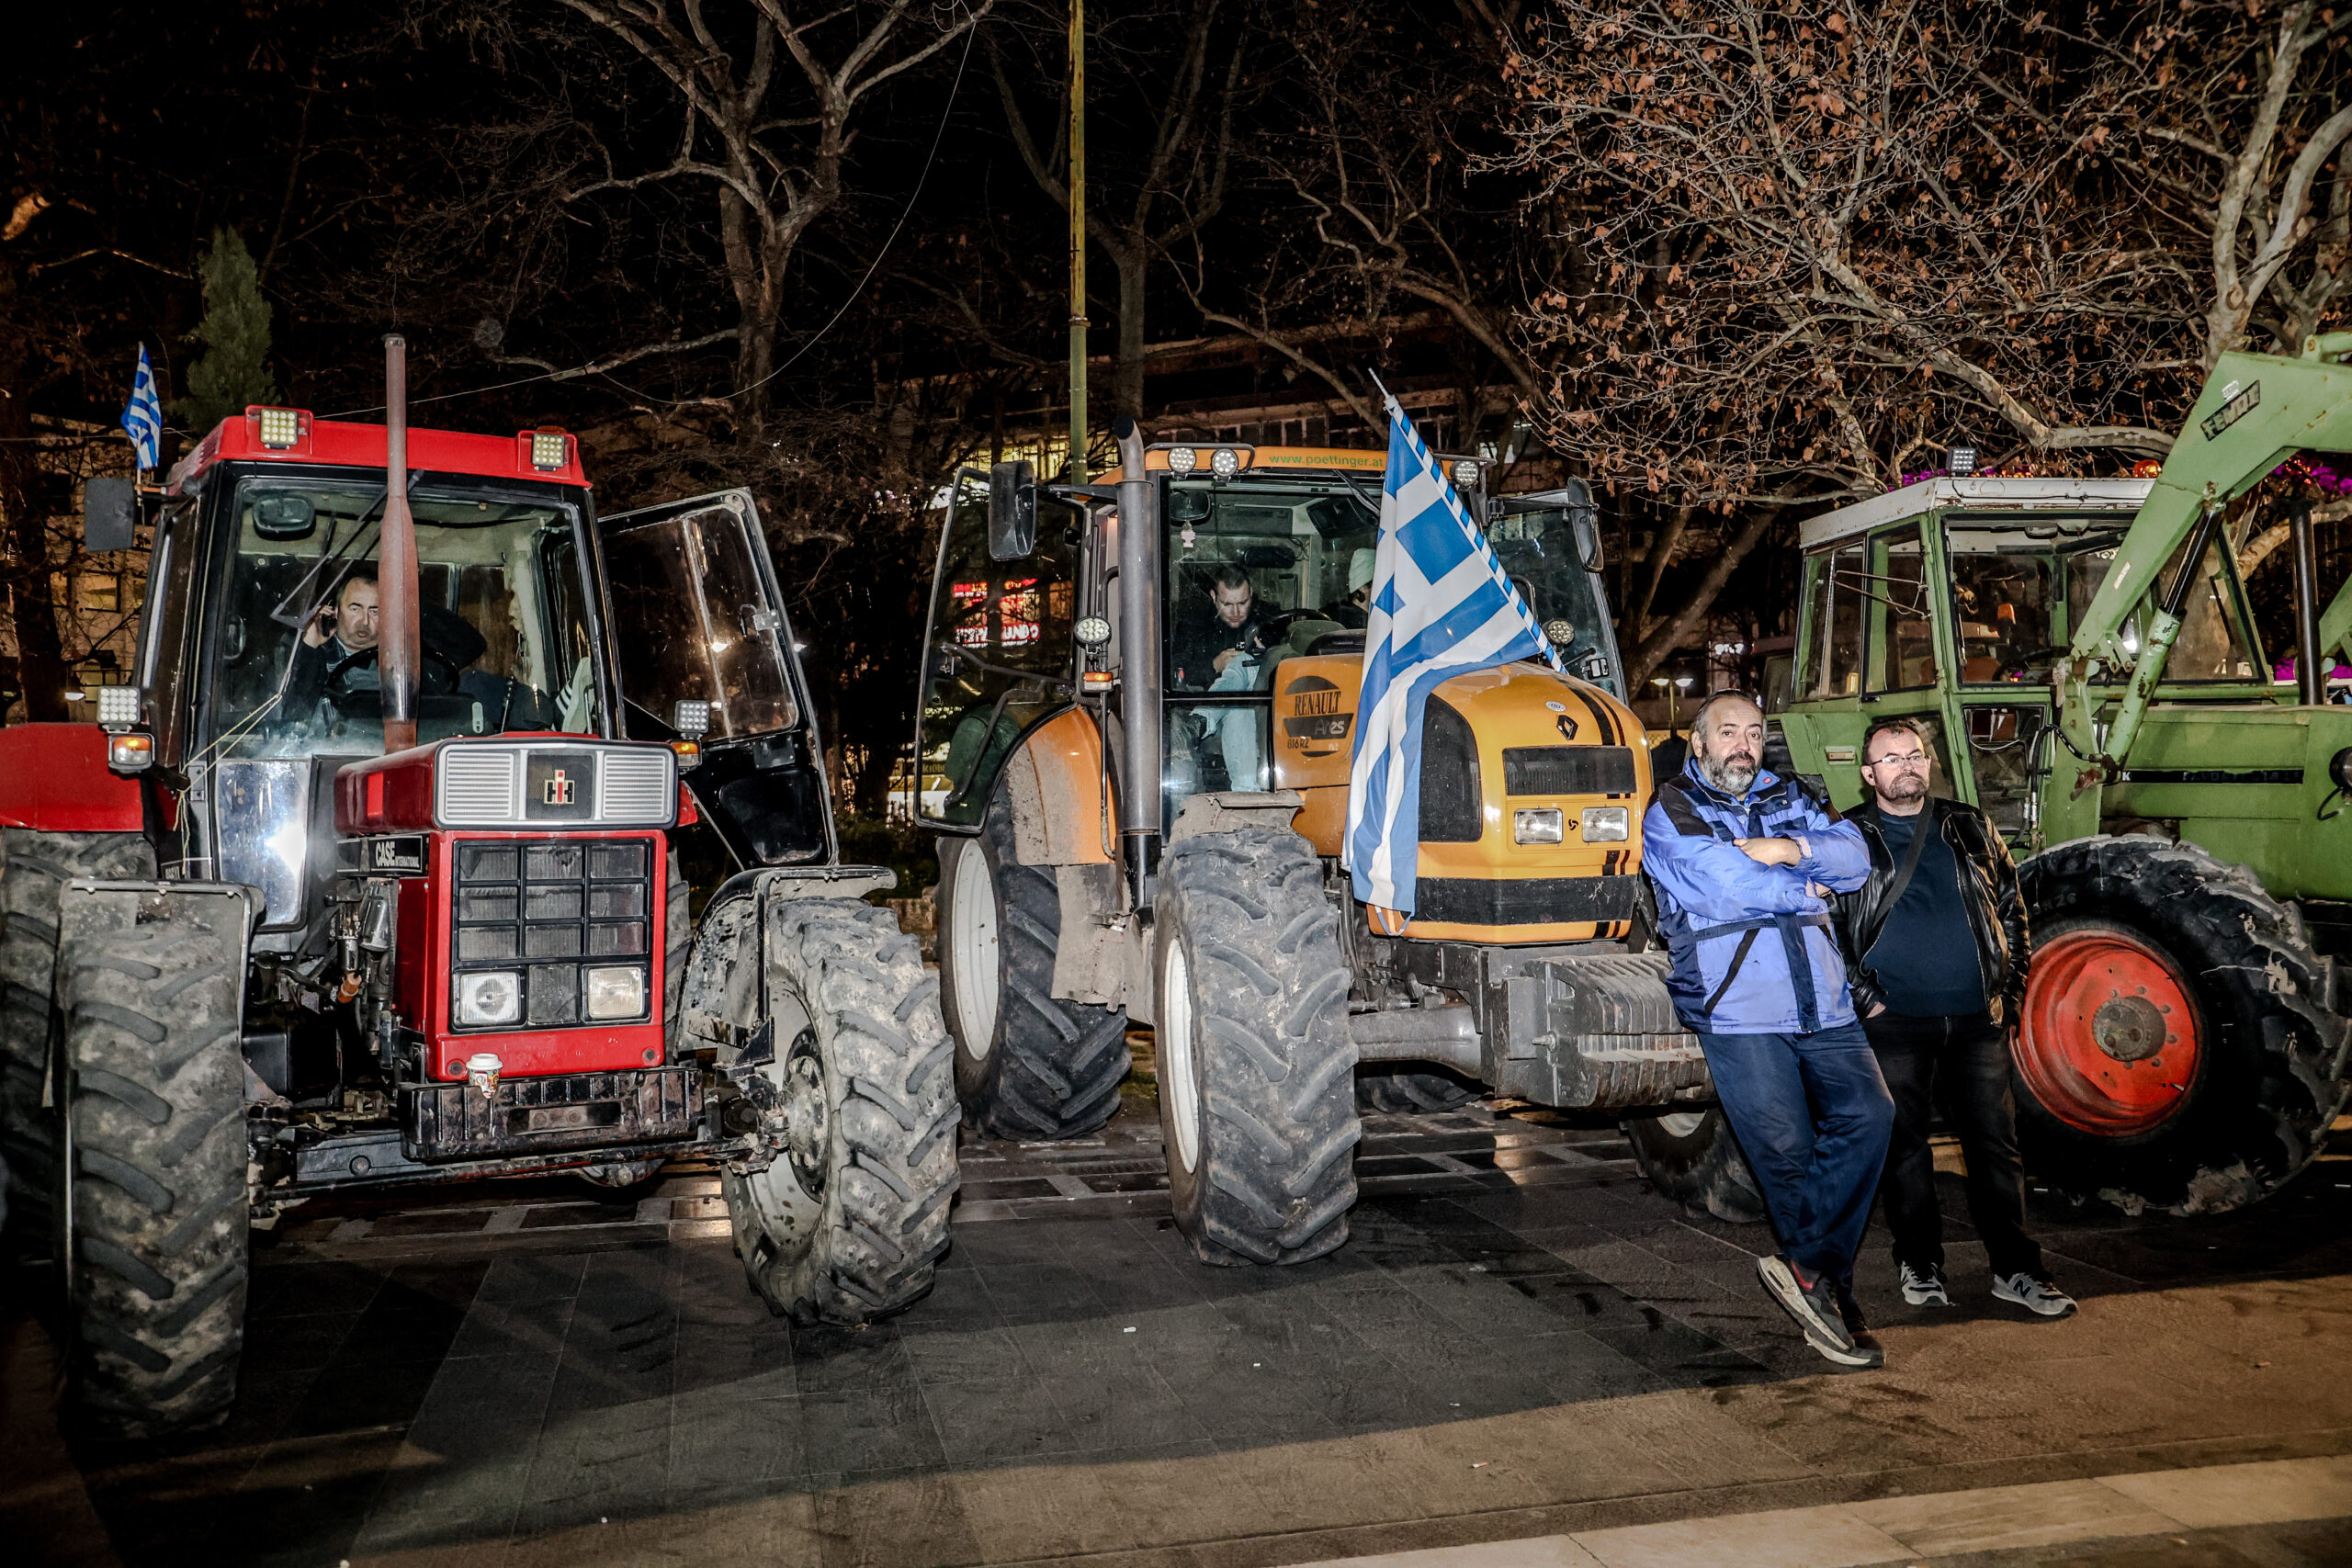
1908,760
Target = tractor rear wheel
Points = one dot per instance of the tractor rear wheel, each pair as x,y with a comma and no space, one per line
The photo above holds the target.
36,865
1691,1158
1029,1066
1256,1110
845,1224
154,1232
2178,1048
1413,1093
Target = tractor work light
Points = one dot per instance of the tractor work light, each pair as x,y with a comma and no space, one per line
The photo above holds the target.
690,717
131,753
1535,825
118,706
1182,459
1092,631
616,993
549,448
281,429
1605,824
494,997
1465,475
1559,634
1225,462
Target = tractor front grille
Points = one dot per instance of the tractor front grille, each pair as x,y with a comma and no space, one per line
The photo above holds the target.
549,909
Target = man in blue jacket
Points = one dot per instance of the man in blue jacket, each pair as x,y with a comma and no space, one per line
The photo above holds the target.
1744,863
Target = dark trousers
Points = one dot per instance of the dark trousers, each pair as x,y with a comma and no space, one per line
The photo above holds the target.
1812,1116
1962,1064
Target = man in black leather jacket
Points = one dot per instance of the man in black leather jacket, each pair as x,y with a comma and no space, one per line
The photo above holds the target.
1937,948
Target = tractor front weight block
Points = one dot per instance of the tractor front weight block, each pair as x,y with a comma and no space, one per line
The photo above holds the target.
545,1114
1562,1026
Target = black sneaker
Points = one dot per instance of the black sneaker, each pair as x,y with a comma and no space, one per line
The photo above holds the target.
1810,1299
1924,1286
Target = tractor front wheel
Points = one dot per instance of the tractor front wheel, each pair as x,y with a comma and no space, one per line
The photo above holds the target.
153,1229
846,1221
1257,1111
1691,1158
2178,1049
1029,1065
1410,1093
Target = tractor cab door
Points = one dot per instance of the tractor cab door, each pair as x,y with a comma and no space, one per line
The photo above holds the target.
998,652
1549,543
697,617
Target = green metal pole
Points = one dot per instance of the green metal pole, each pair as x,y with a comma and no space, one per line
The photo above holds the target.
1078,242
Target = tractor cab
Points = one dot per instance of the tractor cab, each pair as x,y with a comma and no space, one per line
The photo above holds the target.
1263,563
1949,601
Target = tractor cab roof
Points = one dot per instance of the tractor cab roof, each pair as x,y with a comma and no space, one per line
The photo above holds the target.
291,435
2056,494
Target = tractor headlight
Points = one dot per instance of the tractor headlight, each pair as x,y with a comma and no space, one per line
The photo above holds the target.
1535,825
549,448
1182,459
1225,462
489,999
1466,474
118,706
616,993
281,429
1605,824
1092,631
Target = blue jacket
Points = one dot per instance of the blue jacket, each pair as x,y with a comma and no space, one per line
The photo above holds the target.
1753,950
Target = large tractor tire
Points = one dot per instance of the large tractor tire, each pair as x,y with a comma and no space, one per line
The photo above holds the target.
2178,1048
1028,1067
154,1231
33,867
845,1223
1257,1109
1408,1093
1691,1158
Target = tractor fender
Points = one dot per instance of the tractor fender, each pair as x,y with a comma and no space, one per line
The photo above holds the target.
1062,815
54,778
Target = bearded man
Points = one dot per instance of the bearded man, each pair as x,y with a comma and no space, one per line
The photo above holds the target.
1744,865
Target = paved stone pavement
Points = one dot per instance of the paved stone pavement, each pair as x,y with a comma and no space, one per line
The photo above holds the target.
1520,1341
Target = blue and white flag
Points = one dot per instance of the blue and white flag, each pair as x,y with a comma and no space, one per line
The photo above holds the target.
144,419
1441,606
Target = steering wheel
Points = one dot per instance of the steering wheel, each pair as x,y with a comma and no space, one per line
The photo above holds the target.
1274,630
353,702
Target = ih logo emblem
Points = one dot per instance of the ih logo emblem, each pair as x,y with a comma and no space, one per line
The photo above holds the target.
559,789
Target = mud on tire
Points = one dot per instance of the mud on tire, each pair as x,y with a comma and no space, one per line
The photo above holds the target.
1691,1158
845,1225
1256,1100
33,867
157,1219
2271,1051
1028,1066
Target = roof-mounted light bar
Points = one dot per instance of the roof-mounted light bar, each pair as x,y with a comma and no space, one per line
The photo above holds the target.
1224,459
280,430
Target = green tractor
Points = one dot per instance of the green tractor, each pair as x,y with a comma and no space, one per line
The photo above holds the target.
2084,657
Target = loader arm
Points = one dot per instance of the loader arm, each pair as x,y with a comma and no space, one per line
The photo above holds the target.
2254,412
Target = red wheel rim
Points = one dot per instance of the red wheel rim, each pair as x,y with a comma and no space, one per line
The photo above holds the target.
2111,1042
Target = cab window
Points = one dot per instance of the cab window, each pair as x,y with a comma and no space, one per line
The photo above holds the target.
1834,648
1905,658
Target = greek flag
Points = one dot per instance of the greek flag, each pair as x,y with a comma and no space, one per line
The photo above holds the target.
1441,606
144,419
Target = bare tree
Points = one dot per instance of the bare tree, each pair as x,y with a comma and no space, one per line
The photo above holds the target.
764,97
1169,148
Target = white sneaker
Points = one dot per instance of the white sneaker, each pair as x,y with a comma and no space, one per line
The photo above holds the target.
2038,1296
1924,1287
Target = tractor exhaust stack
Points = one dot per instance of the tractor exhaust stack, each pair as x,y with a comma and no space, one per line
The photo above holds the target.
399,635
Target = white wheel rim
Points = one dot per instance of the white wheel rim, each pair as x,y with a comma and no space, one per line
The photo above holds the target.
972,947
1179,1086
1680,1124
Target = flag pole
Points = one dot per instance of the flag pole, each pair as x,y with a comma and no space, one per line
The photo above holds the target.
1078,242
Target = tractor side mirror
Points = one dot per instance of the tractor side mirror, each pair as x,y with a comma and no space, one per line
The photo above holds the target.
109,515
285,516
1013,511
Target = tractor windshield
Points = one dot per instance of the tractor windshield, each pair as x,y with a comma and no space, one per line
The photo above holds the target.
506,645
1259,573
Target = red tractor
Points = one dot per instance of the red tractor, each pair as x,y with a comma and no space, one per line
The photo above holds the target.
368,878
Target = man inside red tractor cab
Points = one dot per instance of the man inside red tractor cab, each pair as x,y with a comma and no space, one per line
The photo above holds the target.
336,655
